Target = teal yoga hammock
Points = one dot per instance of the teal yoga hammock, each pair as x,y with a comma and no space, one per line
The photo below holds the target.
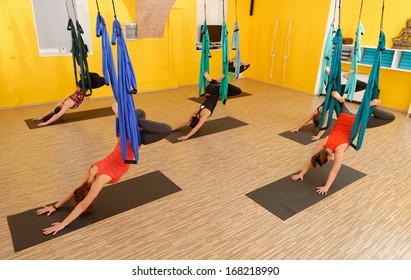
356,58
205,54
328,51
371,92
334,82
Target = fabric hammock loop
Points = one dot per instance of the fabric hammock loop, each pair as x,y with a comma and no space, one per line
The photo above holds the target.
371,92
79,52
127,128
334,83
205,54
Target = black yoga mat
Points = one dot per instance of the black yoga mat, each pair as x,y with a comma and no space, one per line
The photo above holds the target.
201,100
285,197
304,134
26,228
209,127
76,116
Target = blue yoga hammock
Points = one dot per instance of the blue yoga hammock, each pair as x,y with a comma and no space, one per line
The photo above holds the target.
109,70
236,45
122,86
127,126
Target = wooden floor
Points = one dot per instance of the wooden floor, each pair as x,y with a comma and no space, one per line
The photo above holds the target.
211,218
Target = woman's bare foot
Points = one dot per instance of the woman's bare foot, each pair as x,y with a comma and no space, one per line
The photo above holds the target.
337,96
348,74
327,70
207,76
375,102
244,63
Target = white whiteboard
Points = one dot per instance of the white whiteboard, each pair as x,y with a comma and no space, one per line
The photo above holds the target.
51,19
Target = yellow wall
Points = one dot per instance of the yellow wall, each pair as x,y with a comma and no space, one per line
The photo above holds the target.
395,85
26,78
305,45
172,61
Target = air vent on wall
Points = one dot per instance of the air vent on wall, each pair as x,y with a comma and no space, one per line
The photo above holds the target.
130,31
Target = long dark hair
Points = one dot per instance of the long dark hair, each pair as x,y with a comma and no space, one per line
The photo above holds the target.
80,193
48,116
194,121
319,158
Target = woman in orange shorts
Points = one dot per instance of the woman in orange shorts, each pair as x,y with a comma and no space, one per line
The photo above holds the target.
336,143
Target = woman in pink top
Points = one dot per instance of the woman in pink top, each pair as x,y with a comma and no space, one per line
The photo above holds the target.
336,143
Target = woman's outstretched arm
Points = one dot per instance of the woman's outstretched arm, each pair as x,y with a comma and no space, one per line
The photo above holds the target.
194,130
81,207
306,121
308,166
338,160
66,105
87,177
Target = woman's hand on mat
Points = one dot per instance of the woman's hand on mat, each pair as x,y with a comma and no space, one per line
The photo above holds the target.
36,119
315,138
322,190
297,177
182,138
55,227
46,209
42,124
294,130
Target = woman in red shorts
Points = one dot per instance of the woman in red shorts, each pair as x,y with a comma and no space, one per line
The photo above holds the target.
106,171
336,143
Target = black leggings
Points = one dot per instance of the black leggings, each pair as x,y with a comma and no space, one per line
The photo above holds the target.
151,131
96,80
233,90
378,118
213,88
359,86
231,67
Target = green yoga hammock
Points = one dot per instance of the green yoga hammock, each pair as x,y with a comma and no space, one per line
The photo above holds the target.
79,52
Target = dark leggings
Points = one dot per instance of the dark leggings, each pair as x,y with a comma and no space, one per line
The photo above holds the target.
231,67
213,88
378,118
233,90
359,86
151,131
